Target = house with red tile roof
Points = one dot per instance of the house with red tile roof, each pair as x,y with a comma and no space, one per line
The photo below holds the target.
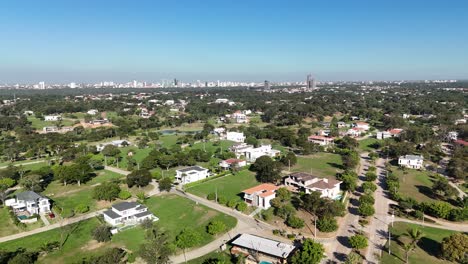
321,140
260,195
301,181
230,163
460,142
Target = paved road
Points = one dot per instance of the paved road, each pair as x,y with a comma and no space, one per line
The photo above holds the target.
66,221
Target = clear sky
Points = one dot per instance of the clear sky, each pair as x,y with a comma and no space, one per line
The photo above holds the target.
121,40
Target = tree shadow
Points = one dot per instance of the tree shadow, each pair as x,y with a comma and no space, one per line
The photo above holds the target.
426,191
339,256
343,241
430,246
336,165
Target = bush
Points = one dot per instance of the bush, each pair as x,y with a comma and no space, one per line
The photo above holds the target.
215,227
124,194
232,203
370,176
107,191
81,208
102,233
366,209
295,222
222,200
327,224
366,198
358,241
267,215
211,196
368,187
241,206
458,214
439,209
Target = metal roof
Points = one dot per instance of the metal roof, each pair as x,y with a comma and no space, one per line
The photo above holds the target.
264,245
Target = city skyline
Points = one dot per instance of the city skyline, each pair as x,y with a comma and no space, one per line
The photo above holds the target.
238,41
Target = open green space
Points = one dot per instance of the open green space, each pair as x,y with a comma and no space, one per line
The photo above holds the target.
223,256
175,214
416,184
367,144
320,164
212,146
39,124
17,163
426,250
229,186
7,227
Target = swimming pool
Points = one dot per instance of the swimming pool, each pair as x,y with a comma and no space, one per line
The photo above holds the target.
22,217
265,262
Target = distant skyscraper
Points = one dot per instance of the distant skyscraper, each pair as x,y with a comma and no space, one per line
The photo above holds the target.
311,84
42,85
266,86
176,82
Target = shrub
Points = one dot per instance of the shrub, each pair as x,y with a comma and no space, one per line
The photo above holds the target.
366,209
370,176
232,203
267,215
358,241
368,187
215,227
241,206
222,200
211,196
439,209
124,194
295,222
327,224
82,208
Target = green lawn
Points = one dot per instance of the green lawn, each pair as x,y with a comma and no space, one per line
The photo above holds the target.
319,164
366,144
212,146
223,256
426,250
73,249
415,184
7,227
69,201
39,124
16,163
104,176
227,186
168,140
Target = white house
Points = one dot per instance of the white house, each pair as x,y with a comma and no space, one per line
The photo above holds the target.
28,113
355,132
219,130
363,125
128,213
50,129
341,124
169,102
52,117
322,141
396,132
301,181
191,174
261,250
30,202
452,135
411,161
92,112
222,101
240,118
235,136
251,153
117,143
229,163
260,195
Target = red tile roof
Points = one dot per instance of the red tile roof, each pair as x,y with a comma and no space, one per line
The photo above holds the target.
461,142
231,161
267,189
320,138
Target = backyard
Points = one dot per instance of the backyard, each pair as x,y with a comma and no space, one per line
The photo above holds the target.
228,186
415,184
368,144
321,164
426,248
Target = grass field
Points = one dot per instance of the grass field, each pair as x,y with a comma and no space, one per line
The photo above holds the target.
39,124
367,144
168,140
415,184
7,227
16,163
320,164
227,186
426,249
224,256
212,146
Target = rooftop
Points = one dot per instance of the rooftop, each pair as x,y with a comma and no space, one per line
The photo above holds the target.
28,196
264,245
412,157
192,168
125,206
264,188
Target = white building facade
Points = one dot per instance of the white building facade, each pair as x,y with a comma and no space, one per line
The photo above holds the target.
191,174
411,161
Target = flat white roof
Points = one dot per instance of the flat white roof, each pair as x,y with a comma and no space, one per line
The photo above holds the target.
264,245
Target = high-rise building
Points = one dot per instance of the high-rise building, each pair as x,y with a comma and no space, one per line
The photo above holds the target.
42,85
311,83
266,85
176,82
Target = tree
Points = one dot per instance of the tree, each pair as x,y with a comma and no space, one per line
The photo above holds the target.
443,189
215,227
107,191
289,159
366,209
370,176
353,258
311,252
241,206
295,222
349,179
368,187
139,178
124,194
32,182
350,159
5,183
156,249
454,247
327,224
267,169
165,184
366,198
102,233
439,209
187,238
110,151
358,242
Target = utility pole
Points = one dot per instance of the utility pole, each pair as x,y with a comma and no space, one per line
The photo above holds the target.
315,226
216,194
289,164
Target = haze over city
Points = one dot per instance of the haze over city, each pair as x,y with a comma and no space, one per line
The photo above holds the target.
92,41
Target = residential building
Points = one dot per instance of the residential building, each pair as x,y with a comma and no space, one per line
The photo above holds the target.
452,135
230,163
50,129
92,112
460,121
395,132
362,125
235,136
219,130
222,101
323,132
355,132
460,142
261,250
411,161
29,202
250,153
117,143
52,117
260,195
321,140
341,124
191,174
301,181
128,213
240,118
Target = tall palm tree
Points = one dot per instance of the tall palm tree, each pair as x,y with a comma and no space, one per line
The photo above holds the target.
415,234
408,247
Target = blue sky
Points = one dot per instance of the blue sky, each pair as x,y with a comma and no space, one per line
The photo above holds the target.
93,40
